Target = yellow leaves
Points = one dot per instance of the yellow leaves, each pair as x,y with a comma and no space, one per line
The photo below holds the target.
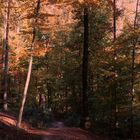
17,54
92,1
96,2
89,1
40,49
66,49
52,19
109,49
17,50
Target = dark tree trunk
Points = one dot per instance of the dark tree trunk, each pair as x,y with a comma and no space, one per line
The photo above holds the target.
5,56
49,96
85,65
133,70
114,88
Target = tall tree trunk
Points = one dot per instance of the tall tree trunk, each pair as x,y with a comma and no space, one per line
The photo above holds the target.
114,92
36,12
5,55
85,64
25,92
49,96
133,70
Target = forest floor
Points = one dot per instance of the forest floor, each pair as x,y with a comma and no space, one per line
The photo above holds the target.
8,131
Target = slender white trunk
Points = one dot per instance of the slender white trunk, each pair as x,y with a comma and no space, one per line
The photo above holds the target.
36,12
25,91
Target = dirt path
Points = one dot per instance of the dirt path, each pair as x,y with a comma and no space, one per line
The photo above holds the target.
64,134
59,132
58,124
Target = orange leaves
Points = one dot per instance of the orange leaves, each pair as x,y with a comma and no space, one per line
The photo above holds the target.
52,19
89,1
40,49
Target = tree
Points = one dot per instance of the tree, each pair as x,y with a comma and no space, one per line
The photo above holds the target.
85,64
115,71
5,55
36,12
135,41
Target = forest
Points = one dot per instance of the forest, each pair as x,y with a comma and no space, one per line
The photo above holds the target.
70,70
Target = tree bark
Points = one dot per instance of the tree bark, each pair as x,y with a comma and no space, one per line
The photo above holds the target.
5,56
113,115
115,71
25,92
133,71
85,65
36,12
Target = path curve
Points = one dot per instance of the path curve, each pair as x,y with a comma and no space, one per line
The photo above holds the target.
60,132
